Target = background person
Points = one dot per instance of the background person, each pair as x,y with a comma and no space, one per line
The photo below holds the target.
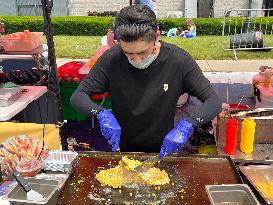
175,32
191,32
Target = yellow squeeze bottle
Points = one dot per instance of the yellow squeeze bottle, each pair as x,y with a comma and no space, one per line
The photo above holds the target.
247,135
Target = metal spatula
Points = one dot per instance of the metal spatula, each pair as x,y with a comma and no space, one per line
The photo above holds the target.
31,194
147,164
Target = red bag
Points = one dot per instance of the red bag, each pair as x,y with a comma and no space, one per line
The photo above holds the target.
70,72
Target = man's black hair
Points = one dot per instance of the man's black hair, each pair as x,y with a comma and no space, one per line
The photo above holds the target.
135,22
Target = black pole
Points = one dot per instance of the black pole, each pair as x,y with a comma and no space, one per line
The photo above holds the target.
53,84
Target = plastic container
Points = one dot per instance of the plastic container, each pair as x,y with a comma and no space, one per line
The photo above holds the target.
21,41
247,135
69,113
231,136
103,99
29,167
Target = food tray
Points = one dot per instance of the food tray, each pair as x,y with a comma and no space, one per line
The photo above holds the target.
48,188
62,161
232,194
261,177
188,175
19,42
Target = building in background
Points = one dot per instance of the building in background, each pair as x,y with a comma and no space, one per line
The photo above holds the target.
163,8
32,8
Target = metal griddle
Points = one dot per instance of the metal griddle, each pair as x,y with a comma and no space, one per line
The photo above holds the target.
188,174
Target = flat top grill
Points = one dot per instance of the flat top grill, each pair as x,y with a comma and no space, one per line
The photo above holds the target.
188,174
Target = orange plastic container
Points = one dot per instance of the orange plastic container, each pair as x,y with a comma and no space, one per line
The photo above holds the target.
21,41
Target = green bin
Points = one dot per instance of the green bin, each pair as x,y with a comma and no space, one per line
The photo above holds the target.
69,113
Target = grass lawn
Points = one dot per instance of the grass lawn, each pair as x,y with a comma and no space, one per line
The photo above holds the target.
201,48
76,46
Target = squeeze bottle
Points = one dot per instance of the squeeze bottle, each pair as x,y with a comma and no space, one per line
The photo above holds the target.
231,136
247,135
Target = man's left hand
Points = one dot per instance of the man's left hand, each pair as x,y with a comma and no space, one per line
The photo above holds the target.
176,138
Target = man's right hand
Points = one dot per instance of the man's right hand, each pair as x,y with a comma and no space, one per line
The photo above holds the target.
110,128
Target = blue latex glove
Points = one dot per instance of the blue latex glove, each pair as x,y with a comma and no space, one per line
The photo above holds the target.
110,128
176,138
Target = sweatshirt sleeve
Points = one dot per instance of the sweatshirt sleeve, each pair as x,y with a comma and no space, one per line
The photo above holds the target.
94,83
197,85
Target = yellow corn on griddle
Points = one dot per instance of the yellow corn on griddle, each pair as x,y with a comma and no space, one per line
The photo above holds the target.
188,174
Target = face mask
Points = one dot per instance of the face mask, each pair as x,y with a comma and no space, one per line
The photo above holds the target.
144,63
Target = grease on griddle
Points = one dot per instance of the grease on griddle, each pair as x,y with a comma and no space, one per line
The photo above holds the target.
186,189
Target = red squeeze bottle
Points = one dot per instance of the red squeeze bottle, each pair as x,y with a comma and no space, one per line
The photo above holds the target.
231,136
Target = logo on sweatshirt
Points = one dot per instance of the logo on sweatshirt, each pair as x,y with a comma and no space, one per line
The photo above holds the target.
165,87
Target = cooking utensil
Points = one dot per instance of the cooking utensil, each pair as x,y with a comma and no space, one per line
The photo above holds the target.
118,150
31,194
121,161
147,164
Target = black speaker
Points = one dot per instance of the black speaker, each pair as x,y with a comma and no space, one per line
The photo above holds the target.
247,40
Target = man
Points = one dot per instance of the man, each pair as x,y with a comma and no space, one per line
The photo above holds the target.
145,78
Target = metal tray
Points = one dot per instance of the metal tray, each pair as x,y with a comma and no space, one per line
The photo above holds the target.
48,188
232,194
188,174
261,177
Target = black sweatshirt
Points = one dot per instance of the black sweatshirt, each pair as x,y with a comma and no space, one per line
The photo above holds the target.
144,101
